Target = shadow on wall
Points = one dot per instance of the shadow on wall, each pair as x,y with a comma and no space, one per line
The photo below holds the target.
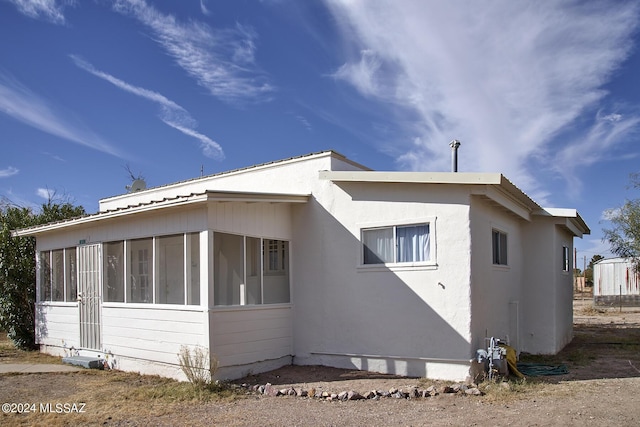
381,320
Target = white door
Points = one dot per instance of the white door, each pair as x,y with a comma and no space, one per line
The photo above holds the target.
89,285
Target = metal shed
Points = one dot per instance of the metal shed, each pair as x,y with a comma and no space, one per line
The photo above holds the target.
615,282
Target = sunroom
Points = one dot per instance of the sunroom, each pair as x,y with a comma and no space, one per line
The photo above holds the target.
133,285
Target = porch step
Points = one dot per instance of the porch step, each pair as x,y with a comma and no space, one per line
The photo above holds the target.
84,361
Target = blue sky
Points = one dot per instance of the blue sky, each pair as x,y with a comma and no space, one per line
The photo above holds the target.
545,92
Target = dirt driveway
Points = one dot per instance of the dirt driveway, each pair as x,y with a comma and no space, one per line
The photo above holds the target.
601,388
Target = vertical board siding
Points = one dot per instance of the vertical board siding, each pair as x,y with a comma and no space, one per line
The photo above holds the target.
253,219
57,325
615,278
243,336
151,334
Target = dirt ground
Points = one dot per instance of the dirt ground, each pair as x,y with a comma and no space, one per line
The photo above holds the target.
602,387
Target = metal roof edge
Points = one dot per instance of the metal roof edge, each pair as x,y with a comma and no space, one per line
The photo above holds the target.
412,177
571,214
206,196
239,170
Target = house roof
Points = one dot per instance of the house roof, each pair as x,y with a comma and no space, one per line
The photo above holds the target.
332,153
493,186
516,200
172,202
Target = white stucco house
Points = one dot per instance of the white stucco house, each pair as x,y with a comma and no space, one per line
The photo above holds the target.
309,260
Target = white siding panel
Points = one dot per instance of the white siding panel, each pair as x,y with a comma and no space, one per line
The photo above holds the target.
57,325
247,353
151,333
251,335
253,219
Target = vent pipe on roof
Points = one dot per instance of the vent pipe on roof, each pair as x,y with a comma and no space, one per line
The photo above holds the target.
454,154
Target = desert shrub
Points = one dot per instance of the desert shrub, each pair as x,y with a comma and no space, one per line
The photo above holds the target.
197,365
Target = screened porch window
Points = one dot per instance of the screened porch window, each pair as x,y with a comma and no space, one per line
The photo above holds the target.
170,264
139,266
58,275
396,244
113,272
249,270
170,269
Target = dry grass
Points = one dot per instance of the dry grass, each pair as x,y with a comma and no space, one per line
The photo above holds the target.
604,348
590,310
108,395
10,354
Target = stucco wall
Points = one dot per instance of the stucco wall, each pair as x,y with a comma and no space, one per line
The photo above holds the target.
495,289
547,322
401,319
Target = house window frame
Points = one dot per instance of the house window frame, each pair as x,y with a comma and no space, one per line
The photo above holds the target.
272,260
431,263
566,259
276,254
45,276
190,301
497,258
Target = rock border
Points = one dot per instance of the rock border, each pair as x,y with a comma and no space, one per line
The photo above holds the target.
405,393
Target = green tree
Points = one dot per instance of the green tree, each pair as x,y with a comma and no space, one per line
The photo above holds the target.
589,271
624,235
18,266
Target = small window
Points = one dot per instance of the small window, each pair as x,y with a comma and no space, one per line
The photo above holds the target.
565,258
396,244
499,248
275,256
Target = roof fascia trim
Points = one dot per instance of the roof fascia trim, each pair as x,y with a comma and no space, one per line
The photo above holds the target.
208,196
411,177
506,200
574,221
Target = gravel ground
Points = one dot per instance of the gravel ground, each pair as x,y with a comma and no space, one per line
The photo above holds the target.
602,388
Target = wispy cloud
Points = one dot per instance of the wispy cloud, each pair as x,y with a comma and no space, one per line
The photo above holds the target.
171,113
53,156
363,73
20,103
9,171
302,119
45,193
505,77
209,147
138,91
222,61
598,143
203,8
48,10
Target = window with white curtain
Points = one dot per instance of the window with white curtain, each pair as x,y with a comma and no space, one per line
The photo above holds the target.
396,244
